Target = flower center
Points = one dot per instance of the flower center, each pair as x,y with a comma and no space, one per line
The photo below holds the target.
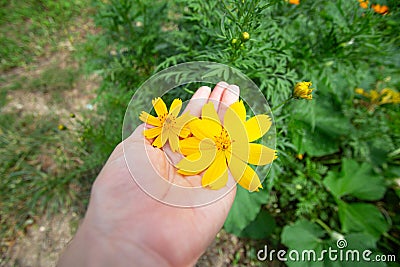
223,141
167,120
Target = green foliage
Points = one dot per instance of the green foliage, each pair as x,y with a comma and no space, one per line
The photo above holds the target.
262,226
309,242
353,219
355,180
338,166
303,235
245,209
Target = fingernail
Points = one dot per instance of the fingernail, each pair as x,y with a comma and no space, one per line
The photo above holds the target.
233,88
223,84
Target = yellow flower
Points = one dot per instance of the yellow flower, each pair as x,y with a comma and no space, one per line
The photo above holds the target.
168,125
61,127
245,36
303,90
389,96
363,3
381,9
294,2
374,96
385,96
217,148
359,91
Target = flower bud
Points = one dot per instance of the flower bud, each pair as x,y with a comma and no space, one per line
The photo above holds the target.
245,36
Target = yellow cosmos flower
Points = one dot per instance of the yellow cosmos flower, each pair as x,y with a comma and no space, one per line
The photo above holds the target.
217,148
377,98
168,125
389,96
303,90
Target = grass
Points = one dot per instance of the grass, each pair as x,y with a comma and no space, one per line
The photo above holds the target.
32,28
40,163
51,79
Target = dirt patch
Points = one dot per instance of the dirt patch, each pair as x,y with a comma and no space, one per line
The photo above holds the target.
221,253
42,103
43,242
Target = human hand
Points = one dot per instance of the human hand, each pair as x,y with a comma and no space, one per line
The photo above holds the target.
124,226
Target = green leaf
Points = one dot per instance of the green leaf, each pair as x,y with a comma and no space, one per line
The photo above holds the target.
317,128
261,227
303,235
352,251
360,241
362,217
244,209
315,143
355,180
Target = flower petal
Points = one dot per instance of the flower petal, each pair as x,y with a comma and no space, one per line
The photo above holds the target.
244,174
208,112
198,161
205,128
188,173
149,119
184,132
164,136
184,119
189,145
216,176
257,126
237,133
173,141
239,108
159,107
157,142
260,154
152,132
175,107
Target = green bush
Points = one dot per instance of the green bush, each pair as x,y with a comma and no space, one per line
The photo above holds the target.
338,167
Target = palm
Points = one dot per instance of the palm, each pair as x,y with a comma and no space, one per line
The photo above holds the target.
133,220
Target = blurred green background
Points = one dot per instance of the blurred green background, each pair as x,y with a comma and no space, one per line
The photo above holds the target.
69,68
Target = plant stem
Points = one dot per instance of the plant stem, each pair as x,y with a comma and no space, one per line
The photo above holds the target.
281,104
189,91
324,225
391,238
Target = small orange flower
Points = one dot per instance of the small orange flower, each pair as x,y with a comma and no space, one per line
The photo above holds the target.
364,3
294,2
381,9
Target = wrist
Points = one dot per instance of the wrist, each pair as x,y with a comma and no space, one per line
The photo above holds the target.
90,247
